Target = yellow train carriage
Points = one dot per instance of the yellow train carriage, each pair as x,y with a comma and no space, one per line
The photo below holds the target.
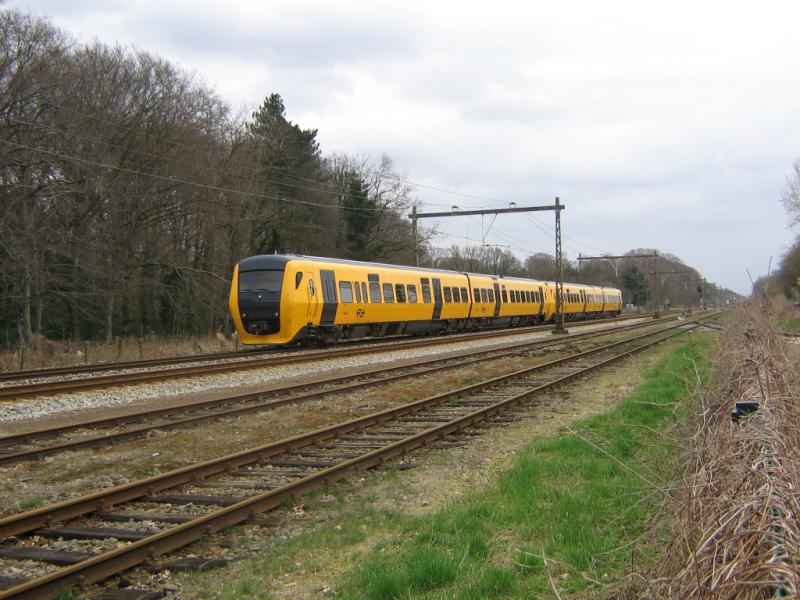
581,301
526,300
571,302
281,299
612,301
595,304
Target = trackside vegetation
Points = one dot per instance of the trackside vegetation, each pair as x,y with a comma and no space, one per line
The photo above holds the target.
789,325
575,510
565,516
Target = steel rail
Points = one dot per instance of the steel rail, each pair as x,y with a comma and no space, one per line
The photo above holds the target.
259,401
99,367
107,564
67,509
12,392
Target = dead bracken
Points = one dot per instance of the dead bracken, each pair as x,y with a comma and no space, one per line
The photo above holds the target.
737,533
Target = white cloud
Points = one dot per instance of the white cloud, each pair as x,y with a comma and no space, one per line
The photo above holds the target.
668,125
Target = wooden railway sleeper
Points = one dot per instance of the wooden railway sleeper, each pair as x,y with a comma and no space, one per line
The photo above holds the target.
335,470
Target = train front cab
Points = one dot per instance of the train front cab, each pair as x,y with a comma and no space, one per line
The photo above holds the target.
260,299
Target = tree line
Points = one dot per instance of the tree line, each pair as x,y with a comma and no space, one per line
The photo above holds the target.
129,190
785,276
661,279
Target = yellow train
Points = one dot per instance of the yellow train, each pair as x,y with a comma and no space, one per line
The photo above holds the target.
283,299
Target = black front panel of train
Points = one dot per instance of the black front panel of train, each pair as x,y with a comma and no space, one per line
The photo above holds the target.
260,301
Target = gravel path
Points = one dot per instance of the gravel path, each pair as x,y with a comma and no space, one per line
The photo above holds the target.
86,402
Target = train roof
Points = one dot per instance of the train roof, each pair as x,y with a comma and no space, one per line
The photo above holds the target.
278,261
275,262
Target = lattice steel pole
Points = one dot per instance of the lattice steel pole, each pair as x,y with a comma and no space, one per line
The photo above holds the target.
559,328
413,216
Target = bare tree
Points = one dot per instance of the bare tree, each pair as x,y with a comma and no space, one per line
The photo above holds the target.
791,197
30,54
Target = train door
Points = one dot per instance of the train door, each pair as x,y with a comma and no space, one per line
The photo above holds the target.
496,299
585,301
329,299
437,298
312,298
541,300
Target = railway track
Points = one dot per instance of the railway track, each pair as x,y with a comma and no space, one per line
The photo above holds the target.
158,515
52,440
117,366
151,372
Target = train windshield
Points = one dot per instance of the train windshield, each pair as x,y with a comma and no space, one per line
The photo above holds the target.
261,281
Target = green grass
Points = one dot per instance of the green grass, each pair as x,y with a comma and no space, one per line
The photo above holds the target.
577,499
789,325
31,502
563,499
70,595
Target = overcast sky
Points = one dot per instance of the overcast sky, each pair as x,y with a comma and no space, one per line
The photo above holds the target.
671,125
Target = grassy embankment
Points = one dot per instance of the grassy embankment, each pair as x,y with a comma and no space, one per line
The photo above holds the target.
573,513
789,325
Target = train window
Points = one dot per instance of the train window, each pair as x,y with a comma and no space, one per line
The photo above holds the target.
375,292
357,290
448,295
426,290
311,289
388,293
400,292
412,293
297,279
484,296
491,296
504,295
517,296
456,295
267,283
364,291
346,291
464,295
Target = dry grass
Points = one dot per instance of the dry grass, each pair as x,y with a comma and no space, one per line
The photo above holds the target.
737,533
49,353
